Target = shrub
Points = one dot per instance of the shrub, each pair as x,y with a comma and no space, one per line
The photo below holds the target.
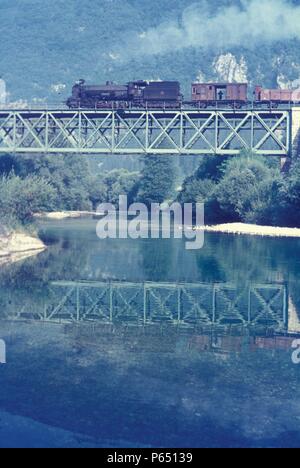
21,198
248,190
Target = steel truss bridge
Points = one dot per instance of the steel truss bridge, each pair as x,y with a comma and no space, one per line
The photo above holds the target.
186,304
182,132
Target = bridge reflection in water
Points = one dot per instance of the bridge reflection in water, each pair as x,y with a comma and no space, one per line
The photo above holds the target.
218,317
176,303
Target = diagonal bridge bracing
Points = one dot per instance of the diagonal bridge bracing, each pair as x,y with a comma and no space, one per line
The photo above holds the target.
187,304
179,132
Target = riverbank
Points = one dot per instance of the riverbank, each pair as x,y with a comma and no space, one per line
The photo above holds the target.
253,230
61,215
17,246
229,228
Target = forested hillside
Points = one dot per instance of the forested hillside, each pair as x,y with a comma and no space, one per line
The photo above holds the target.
47,44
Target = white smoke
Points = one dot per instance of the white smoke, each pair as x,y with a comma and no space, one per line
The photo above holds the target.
251,23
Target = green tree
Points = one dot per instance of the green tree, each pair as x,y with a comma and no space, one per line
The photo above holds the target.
7,164
248,190
21,198
111,185
68,174
201,187
120,182
290,195
158,177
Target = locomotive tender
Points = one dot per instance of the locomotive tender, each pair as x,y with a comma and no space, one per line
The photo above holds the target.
167,95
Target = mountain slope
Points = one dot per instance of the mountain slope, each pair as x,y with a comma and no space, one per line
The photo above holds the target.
47,45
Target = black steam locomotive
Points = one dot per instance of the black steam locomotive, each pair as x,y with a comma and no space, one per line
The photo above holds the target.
138,94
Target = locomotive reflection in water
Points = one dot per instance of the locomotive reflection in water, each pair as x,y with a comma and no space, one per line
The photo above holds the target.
167,95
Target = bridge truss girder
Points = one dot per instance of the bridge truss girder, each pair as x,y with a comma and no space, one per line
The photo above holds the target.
183,132
174,303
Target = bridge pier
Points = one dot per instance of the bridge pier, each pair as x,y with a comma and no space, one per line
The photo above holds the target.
295,150
285,163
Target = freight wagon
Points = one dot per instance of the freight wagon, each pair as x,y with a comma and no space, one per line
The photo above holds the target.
210,94
276,96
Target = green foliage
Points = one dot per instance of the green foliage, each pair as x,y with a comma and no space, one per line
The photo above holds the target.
290,195
247,190
54,183
291,185
76,187
113,184
158,177
7,163
202,185
68,174
211,167
197,190
120,182
97,190
21,198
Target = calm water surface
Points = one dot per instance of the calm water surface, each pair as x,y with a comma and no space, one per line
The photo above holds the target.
125,343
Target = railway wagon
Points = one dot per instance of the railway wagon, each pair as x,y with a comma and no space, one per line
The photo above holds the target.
279,96
207,94
272,342
273,95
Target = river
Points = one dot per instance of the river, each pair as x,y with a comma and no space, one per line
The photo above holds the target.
137,343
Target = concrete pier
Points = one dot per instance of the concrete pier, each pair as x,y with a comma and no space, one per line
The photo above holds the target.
295,134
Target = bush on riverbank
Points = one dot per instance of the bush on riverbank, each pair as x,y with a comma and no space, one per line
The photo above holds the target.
246,188
202,185
21,198
68,175
249,190
73,185
290,196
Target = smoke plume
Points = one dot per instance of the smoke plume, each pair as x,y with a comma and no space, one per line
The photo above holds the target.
245,23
